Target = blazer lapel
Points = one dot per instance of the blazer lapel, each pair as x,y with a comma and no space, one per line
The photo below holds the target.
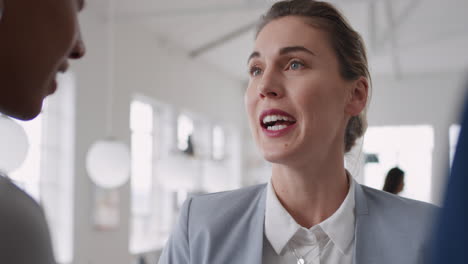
363,240
254,239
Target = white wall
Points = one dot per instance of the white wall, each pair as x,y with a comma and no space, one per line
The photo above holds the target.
147,67
431,98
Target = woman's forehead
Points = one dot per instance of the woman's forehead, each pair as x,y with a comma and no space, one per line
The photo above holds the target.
290,31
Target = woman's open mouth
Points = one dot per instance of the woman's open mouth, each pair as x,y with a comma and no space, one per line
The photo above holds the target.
276,122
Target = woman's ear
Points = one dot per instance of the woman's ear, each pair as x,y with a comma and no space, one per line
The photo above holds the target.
357,98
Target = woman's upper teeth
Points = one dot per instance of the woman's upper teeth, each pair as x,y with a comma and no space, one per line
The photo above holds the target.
274,118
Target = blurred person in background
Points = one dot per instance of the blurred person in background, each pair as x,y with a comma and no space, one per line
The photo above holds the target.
395,181
37,38
306,102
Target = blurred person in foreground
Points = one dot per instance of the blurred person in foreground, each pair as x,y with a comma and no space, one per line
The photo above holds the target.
37,38
395,181
306,102
451,232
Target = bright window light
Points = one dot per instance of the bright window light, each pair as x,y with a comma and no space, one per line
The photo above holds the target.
141,125
454,132
141,117
408,147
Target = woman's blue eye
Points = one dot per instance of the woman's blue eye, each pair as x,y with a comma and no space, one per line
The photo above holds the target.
295,65
255,71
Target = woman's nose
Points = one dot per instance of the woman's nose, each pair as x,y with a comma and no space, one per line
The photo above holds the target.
270,86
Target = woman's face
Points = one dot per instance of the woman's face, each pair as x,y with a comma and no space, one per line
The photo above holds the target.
37,39
296,100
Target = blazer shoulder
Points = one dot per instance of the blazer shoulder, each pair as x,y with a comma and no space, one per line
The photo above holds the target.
392,229
228,199
223,207
22,217
17,203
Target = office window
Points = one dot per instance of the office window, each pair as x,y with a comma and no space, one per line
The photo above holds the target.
142,154
152,204
167,168
408,147
141,125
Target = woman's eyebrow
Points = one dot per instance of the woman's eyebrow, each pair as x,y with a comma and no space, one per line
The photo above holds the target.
254,54
291,49
283,51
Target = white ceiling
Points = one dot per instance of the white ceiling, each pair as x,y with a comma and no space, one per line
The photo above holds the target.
429,35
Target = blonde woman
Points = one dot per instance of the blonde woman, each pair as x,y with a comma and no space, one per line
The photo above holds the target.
306,102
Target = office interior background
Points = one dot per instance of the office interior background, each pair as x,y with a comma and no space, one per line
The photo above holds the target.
167,79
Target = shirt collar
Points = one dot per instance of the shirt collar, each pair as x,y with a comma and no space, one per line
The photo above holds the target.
280,227
340,225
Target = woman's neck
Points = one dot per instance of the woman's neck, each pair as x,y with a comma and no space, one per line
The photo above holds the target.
313,192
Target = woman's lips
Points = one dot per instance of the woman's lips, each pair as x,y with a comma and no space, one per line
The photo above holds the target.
279,132
276,123
272,112
61,70
52,87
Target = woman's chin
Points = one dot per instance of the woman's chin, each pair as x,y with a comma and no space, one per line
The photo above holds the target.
277,156
23,110
26,114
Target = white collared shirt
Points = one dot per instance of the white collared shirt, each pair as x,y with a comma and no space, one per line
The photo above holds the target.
330,242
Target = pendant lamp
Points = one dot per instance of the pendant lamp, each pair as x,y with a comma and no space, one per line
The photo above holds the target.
14,145
108,160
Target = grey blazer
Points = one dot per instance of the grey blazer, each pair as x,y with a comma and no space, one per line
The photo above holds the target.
24,234
228,228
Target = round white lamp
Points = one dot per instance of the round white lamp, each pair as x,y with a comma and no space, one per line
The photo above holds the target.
108,160
14,144
108,163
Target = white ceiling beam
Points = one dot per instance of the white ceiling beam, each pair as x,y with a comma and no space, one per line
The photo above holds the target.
246,5
398,21
222,40
192,11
